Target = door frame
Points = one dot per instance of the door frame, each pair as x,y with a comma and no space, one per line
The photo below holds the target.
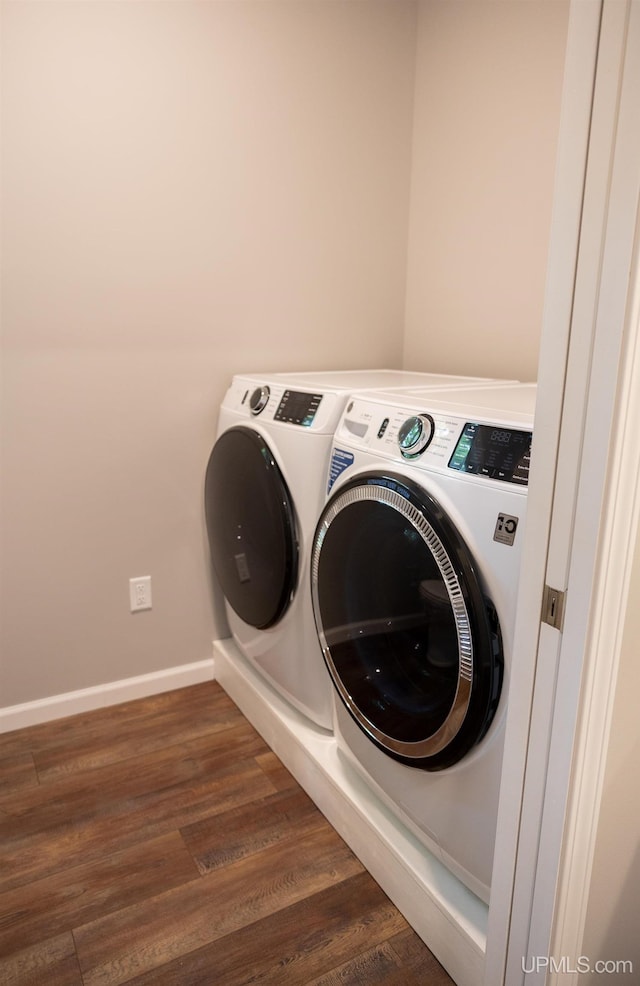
583,509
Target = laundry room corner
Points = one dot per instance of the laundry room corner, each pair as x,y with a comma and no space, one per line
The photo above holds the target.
486,121
318,367
188,189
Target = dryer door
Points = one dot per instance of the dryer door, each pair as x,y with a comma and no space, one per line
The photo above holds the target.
410,640
251,527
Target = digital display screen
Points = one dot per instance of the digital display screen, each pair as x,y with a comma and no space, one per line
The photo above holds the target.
498,453
298,408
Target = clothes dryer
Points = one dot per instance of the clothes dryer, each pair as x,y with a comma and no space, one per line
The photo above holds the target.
414,575
264,490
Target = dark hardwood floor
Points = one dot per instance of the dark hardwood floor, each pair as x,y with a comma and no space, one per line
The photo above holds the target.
161,842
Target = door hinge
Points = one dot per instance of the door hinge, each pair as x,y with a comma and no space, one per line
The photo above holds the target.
553,607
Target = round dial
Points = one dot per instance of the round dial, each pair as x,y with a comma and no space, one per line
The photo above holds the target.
259,399
415,434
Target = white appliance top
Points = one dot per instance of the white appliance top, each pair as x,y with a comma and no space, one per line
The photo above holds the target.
349,380
491,399
316,400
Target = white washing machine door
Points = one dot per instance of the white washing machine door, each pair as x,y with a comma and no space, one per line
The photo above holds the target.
411,642
251,527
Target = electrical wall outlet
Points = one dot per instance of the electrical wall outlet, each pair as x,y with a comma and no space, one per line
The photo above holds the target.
140,593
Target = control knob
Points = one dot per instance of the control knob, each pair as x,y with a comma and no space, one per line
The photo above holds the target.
259,399
415,434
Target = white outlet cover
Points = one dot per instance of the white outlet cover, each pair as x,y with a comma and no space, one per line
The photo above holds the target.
140,593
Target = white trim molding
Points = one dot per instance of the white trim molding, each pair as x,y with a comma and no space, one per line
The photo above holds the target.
110,693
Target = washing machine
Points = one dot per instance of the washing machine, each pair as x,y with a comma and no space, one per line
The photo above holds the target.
264,490
414,575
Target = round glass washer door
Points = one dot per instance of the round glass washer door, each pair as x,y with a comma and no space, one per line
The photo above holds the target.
251,527
411,642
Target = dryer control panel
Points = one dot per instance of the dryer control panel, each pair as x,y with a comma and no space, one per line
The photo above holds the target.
270,402
296,407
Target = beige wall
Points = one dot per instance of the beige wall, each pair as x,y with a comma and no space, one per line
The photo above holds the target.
189,190
192,189
611,931
487,112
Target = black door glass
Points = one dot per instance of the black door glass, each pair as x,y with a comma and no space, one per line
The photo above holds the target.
410,639
251,527
390,626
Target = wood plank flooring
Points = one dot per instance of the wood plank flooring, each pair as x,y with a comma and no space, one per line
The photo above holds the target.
161,842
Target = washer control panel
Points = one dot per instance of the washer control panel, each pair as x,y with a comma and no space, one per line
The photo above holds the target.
438,439
493,451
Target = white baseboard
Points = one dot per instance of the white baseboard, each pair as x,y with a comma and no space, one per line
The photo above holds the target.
111,693
447,916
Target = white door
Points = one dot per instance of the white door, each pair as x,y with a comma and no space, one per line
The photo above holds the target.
584,496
